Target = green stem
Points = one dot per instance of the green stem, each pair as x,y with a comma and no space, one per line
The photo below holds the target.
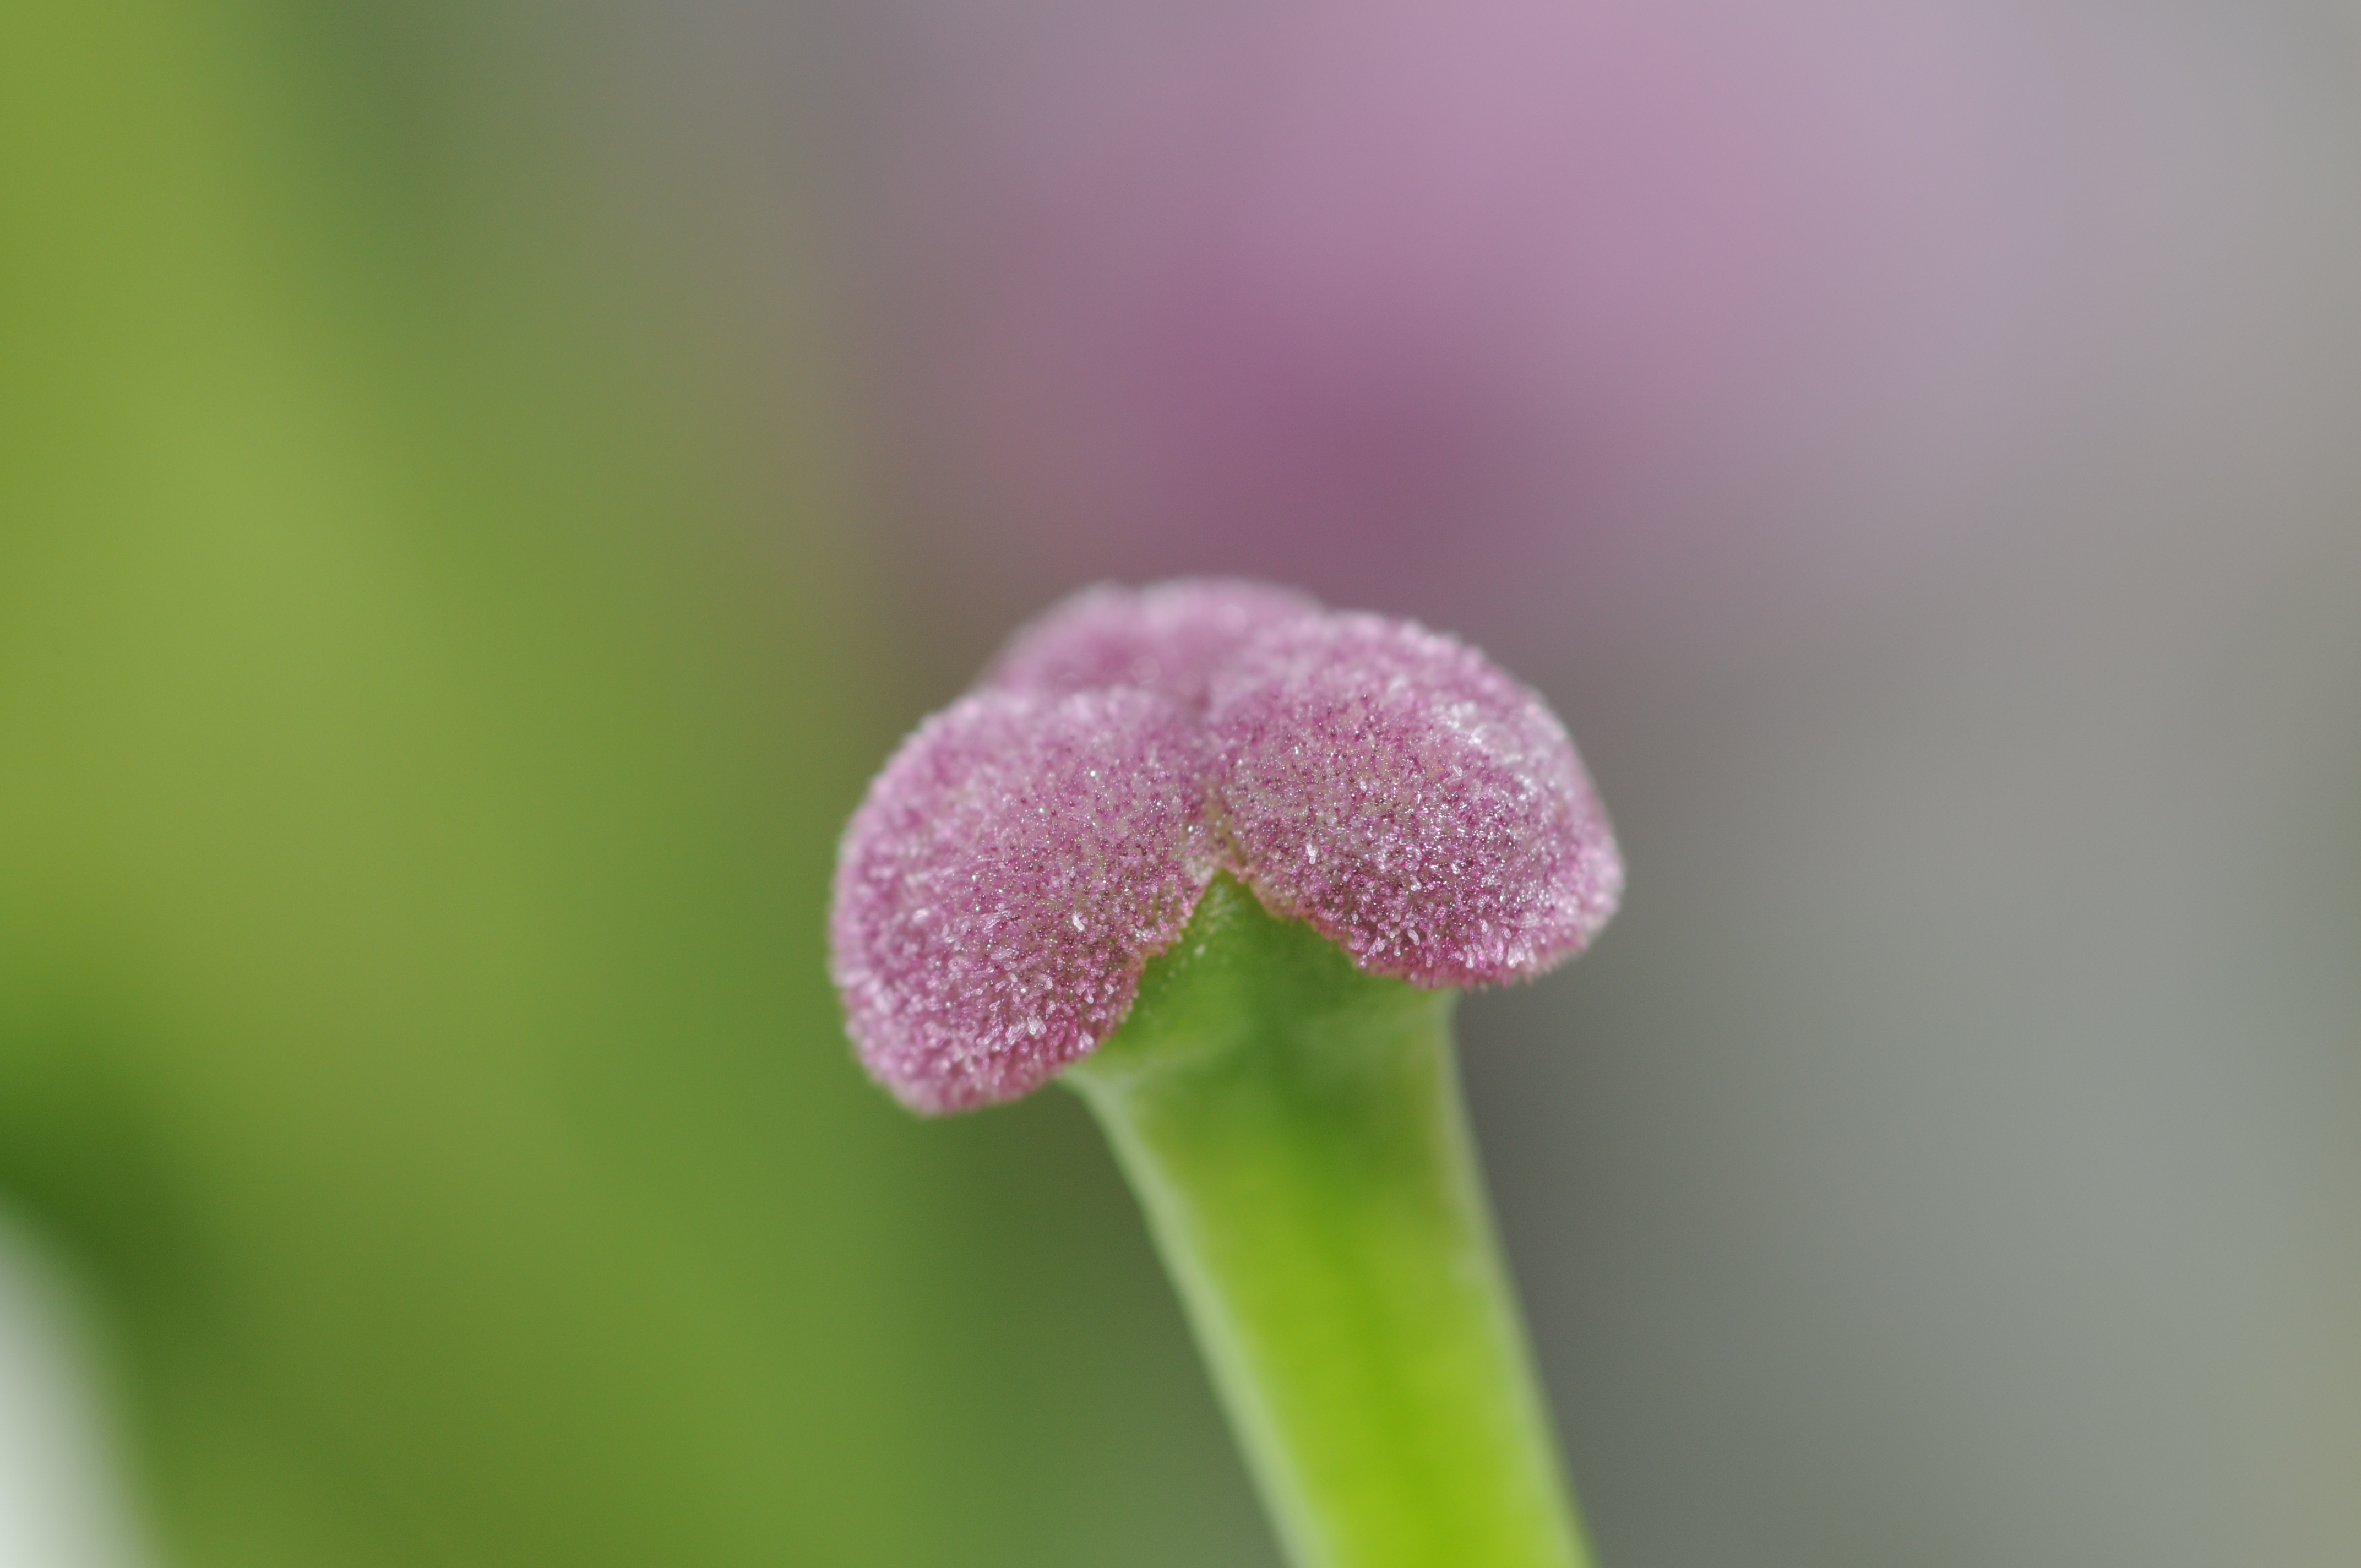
1294,1128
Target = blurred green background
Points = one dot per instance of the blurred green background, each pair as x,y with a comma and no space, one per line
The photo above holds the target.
426,709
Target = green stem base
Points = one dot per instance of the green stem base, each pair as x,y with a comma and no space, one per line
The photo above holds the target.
1294,1130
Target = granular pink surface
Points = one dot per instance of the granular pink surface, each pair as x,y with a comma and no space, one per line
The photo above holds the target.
1393,788
1030,848
1004,882
1171,638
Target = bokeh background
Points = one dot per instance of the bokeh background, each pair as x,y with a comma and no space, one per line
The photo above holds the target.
481,485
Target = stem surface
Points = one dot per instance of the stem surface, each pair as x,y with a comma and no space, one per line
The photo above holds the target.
1294,1130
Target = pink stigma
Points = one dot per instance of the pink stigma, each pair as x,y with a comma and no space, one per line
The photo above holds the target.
1397,791
1030,848
1171,638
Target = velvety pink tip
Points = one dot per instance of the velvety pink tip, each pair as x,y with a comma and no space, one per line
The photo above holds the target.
1393,788
1172,639
1029,849
1013,869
